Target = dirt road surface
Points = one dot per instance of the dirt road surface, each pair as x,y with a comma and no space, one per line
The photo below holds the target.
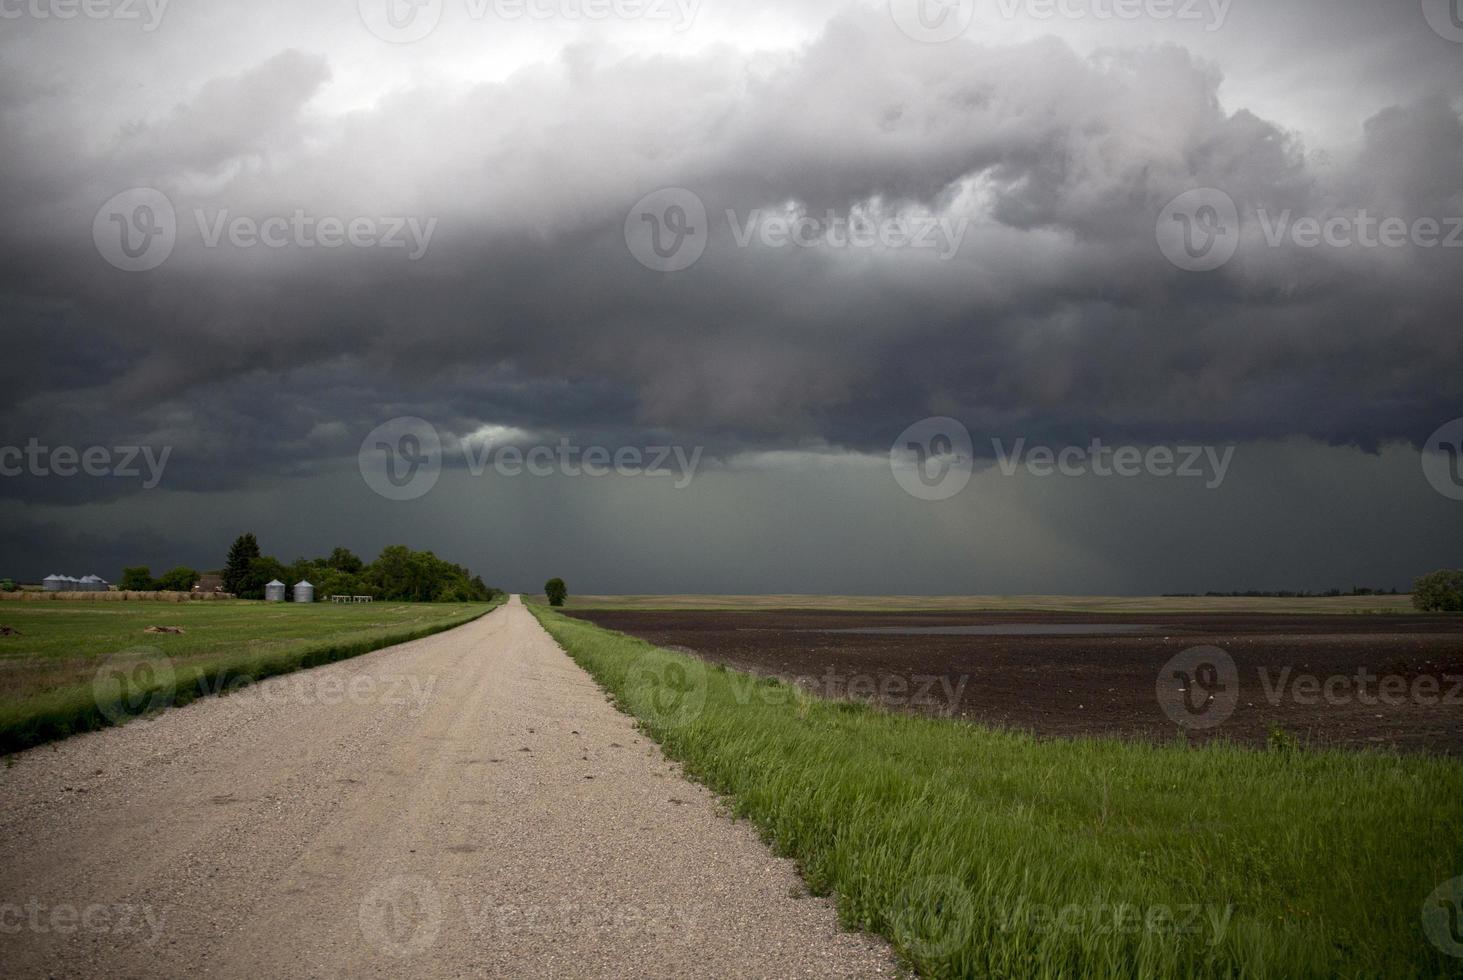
463,805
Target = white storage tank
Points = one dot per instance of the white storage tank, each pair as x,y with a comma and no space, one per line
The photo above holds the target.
304,591
274,591
53,583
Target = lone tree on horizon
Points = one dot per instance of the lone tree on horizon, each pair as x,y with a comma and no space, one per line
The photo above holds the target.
556,590
242,552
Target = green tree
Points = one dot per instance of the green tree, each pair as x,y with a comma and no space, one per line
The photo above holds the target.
138,578
556,590
1442,591
180,579
242,552
261,571
345,560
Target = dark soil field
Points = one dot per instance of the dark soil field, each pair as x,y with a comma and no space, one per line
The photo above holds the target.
1339,681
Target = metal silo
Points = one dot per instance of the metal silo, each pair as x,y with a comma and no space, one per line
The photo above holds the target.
53,583
304,591
274,591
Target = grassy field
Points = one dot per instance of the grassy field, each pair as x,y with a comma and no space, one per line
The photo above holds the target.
981,853
77,666
1020,603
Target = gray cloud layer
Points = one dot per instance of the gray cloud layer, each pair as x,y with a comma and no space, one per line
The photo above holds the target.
1058,318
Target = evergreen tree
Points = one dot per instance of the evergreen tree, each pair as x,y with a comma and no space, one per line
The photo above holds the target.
242,553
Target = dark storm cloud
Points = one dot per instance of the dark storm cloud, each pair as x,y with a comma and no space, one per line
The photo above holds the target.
1058,315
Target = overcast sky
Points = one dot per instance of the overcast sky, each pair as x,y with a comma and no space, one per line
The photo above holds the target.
860,266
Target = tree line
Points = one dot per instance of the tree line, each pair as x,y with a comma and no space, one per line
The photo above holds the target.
397,575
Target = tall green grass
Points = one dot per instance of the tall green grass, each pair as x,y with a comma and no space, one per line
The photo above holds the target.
984,853
78,667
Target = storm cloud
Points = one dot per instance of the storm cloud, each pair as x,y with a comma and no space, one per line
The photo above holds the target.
456,248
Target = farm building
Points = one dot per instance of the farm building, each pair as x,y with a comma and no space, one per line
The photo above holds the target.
304,591
274,591
66,583
209,582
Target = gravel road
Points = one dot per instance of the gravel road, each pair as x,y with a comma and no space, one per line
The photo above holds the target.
463,805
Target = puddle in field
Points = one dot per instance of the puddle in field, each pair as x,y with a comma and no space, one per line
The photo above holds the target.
1004,629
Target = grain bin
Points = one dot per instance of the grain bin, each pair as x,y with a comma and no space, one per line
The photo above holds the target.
274,591
53,583
304,591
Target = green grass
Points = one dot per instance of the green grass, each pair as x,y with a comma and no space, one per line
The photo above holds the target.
984,853
79,666
1029,603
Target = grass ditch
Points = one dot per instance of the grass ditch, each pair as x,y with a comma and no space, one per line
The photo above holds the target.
77,667
988,853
